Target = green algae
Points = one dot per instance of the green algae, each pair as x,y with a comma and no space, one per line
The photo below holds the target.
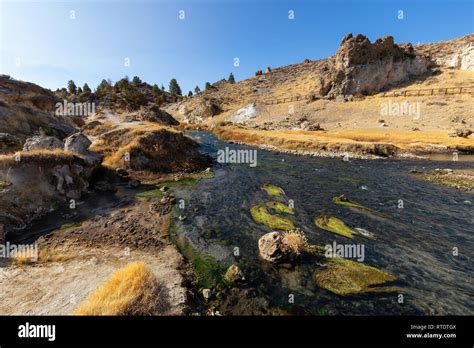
67,226
261,215
343,200
335,225
280,207
273,190
179,182
209,272
155,193
346,277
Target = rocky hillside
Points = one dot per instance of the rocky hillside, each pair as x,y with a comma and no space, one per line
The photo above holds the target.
27,109
358,68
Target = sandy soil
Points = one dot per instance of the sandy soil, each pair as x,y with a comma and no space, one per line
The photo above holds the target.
79,259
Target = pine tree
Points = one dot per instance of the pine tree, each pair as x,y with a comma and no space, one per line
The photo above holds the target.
174,87
86,88
136,81
190,94
197,90
156,90
79,90
208,86
123,84
231,78
71,86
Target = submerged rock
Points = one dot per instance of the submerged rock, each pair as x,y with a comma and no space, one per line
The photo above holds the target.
280,207
261,215
343,200
335,225
234,274
345,277
273,190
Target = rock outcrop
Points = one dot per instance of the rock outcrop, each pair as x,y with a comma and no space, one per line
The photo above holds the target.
9,143
38,183
42,142
457,54
27,109
156,151
360,66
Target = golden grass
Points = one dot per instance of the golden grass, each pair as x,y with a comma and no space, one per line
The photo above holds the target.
45,255
50,157
296,240
132,290
305,140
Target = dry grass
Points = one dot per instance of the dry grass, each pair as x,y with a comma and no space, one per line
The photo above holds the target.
296,240
343,139
45,255
48,157
132,290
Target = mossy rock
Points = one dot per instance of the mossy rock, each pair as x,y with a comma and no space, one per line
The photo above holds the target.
280,207
273,190
233,274
261,215
343,200
346,277
335,225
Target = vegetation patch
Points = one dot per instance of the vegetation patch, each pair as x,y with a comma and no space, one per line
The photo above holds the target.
155,193
184,181
273,190
462,179
345,277
335,225
208,271
261,215
132,290
343,200
280,207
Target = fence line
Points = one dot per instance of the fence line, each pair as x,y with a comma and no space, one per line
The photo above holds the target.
399,93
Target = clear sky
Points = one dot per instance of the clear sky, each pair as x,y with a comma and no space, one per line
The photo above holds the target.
41,43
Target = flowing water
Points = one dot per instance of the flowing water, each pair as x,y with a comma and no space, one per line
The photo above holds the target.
414,242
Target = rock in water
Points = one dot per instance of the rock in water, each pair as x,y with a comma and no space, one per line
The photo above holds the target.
234,274
274,249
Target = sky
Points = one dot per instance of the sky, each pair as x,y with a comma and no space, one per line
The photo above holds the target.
51,42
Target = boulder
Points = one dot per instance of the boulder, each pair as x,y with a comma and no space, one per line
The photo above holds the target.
79,143
463,133
42,142
274,249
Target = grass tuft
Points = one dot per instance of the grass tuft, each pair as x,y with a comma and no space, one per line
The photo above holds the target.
132,290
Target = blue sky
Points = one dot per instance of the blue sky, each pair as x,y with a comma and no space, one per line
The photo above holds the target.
39,42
